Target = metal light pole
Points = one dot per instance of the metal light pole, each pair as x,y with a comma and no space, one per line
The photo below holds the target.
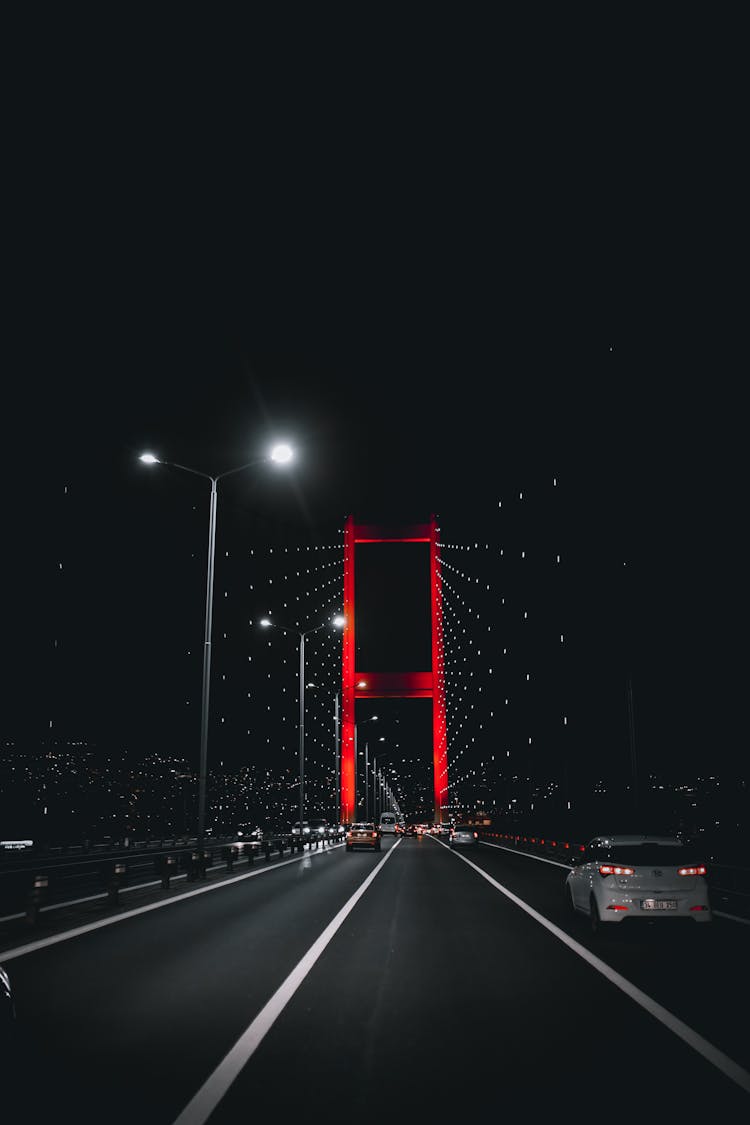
301,633
372,719
280,454
367,782
337,794
377,797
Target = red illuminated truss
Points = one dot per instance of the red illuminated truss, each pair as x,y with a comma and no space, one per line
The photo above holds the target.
392,685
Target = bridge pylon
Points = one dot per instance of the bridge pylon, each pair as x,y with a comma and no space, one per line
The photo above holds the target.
420,684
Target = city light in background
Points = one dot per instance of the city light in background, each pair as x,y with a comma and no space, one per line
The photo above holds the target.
534,688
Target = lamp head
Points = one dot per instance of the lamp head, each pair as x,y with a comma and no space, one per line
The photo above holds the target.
149,459
282,453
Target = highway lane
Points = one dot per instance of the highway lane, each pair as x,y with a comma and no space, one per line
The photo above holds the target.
699,973
435,990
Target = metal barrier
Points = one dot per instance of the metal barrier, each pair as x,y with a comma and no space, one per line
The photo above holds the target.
30,885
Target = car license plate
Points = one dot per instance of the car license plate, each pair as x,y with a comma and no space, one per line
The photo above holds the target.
658,904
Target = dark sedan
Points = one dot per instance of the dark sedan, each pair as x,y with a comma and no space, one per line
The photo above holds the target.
363,835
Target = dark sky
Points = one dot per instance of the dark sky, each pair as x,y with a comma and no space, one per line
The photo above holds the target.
640,435
434,316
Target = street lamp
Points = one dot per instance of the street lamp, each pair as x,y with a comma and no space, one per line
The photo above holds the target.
336,803
376,785
280,455
372,719
367,783
266,623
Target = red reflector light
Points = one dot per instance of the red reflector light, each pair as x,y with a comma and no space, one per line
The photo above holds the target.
699,869
699,908
617,908
606,869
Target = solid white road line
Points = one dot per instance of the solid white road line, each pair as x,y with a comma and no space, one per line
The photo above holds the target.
42,943
200,1107
712,1054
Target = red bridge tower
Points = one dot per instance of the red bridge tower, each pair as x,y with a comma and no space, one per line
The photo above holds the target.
390,685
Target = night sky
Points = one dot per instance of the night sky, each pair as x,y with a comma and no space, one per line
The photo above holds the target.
644,455
433,328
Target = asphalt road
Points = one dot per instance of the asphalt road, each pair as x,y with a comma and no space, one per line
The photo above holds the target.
336,984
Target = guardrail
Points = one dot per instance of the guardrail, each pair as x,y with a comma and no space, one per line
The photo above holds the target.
32,885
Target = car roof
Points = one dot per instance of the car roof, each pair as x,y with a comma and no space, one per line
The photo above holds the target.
620,838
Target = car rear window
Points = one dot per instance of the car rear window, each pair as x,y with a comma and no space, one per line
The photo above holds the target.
635,855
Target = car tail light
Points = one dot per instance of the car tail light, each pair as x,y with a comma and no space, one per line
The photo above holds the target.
699,908
606,869
699,869
374,835
476,835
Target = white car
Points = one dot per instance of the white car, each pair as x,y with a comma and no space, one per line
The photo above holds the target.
464,836
650,878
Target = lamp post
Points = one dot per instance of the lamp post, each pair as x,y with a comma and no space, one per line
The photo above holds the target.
367,783
376,786
372,719
336,804
266,623
336,794
280,454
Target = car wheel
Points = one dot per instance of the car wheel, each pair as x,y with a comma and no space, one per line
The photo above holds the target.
595,921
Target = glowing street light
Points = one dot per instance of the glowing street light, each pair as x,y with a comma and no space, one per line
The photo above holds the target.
279,454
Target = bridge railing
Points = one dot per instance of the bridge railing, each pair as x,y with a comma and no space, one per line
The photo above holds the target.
29,886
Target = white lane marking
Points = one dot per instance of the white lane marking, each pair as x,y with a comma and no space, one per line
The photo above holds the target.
42,943
712,1054
732,917
202,1105
530,855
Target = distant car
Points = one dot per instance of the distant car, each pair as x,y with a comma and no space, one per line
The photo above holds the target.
364,834
410,830
648,878
464,836
305,828
7,1009
318,827
388,822
444,829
